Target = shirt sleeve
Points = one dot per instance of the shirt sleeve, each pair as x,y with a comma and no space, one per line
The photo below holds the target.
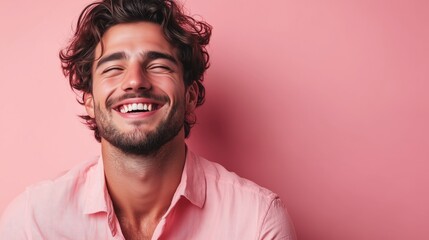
13,221
277,224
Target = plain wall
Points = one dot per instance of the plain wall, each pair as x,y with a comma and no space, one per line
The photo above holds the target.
323,102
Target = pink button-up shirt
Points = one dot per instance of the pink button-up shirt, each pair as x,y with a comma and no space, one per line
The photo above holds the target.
209,203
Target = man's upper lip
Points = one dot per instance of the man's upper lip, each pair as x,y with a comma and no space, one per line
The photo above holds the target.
136,100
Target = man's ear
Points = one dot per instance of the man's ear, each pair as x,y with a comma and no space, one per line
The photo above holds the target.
192,97
88,101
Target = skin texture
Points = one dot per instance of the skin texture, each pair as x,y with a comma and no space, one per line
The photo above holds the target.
138,65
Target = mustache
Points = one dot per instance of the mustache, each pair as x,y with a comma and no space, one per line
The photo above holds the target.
159,98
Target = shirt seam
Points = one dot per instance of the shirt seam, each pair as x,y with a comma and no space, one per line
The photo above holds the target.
265,217
26,217
262,192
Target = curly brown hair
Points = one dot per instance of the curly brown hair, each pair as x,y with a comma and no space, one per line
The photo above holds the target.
189,36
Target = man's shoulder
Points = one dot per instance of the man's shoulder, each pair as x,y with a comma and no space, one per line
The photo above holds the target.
231,183
241,207
47,200
67,181
64,191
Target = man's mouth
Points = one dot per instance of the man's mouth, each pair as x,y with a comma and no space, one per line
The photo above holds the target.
138,107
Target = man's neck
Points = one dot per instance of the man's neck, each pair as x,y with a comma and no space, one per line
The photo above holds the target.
142,187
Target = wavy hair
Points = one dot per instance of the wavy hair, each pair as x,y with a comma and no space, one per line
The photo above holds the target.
189,36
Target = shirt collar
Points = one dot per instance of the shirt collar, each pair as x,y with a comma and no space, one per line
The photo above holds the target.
192,186
97,196
193,183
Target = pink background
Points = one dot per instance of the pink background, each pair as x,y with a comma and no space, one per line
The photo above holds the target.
324,102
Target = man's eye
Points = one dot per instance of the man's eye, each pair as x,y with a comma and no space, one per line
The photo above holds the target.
112,70
160,69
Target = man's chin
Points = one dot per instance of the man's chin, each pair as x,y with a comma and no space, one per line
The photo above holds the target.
140,138
135,145
142,143
139,149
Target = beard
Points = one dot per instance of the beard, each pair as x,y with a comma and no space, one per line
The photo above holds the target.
137,141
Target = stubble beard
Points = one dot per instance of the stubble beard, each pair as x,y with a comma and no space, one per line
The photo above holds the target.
139,142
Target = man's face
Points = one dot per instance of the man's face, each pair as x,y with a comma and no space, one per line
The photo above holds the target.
139,100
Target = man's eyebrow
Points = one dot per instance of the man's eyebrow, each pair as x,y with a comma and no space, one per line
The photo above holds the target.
153,55
111,57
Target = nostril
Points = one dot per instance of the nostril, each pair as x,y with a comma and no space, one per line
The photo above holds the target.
144,87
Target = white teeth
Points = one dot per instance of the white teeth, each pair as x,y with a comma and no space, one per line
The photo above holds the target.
140,106
136,106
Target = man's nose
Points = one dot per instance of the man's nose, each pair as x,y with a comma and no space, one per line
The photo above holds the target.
136,79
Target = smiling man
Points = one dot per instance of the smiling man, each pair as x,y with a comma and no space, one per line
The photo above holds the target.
139,65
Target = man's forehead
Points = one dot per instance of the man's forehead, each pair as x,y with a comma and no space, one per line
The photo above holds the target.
134,38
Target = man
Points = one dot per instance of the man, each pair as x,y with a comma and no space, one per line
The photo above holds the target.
139,65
